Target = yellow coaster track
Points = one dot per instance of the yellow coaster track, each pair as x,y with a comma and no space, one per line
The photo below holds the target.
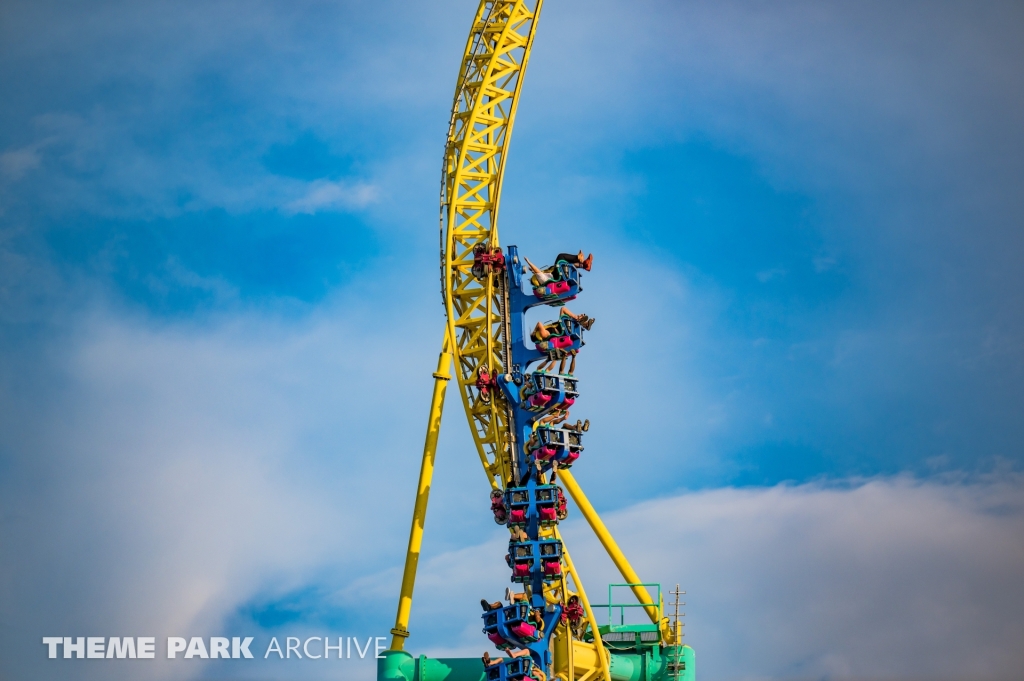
484,110
486,96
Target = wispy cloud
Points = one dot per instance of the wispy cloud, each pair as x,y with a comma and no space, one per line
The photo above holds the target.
324,195
190,470
868,580
14,164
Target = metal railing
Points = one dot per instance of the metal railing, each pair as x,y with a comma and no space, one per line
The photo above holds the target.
622,606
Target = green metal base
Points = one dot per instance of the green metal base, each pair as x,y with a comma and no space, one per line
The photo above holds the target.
655,665
398,665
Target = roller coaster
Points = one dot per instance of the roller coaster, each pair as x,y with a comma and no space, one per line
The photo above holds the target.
517,391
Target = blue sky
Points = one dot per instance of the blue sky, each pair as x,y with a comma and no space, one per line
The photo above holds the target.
219,312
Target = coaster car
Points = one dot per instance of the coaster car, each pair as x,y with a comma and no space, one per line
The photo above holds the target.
566,338
542,391
541,502
565,285
557,444
527,557
514,669
517,499
511,624
498,507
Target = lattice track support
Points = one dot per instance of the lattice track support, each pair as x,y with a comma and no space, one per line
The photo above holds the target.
483,112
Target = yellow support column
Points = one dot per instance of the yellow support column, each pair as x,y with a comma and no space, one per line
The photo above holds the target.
603,659
615,553
419,513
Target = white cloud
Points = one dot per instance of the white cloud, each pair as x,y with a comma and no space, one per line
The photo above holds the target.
15,163
324,195
889,578
184,470
873,581
170,473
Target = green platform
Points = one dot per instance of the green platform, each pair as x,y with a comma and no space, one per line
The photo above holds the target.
654,664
